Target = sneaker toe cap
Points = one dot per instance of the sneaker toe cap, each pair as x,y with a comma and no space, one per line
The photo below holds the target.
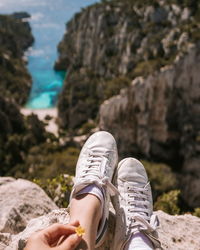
132,170
102,139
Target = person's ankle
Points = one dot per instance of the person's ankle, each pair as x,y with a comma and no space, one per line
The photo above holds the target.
89,204
93,189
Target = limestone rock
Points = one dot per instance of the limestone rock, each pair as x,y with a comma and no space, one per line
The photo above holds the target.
186,14
5,180
176,9
160,117
179,232
175,232
170,39
20,201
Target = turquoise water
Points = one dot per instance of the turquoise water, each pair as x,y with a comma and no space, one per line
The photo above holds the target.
48,19
47,83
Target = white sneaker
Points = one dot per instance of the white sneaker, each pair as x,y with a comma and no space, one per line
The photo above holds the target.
96,164
134,204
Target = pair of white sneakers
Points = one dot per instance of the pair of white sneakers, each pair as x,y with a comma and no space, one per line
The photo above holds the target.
131,191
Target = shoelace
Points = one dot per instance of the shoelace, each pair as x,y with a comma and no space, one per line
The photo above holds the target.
97,159
138,217
148,227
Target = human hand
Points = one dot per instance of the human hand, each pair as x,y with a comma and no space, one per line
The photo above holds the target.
55,237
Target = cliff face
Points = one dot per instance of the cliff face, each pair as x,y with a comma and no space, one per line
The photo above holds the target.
159,117
114,39
111,38
15,37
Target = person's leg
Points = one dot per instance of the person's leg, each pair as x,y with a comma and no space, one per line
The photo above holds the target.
86,208
90,195
135,222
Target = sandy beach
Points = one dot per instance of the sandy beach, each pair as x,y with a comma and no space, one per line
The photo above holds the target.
42,113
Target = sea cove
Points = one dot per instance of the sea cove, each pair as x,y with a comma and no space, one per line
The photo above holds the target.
48,19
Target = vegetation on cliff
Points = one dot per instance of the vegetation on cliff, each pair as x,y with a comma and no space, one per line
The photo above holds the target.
15,37
18,135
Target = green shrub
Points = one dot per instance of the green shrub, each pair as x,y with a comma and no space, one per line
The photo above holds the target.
52,164
87,127
144,68
58,188
197,212
168,202
46,160
113,86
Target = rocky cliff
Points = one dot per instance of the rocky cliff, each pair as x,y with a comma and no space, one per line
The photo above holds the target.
108,44
15,37
159,117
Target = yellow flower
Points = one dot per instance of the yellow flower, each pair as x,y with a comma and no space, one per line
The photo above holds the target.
80,231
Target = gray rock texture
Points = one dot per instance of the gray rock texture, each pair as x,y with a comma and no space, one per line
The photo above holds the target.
20,201
159,117
175,232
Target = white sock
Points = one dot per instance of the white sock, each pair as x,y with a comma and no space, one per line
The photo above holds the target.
95,190
139,241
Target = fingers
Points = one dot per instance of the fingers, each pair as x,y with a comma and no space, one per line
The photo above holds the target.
54,232
70,243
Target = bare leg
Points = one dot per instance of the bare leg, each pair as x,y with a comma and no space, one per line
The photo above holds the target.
86,208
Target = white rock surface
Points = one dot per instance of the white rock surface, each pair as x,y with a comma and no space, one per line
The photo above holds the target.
20,201
179,232
175,232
